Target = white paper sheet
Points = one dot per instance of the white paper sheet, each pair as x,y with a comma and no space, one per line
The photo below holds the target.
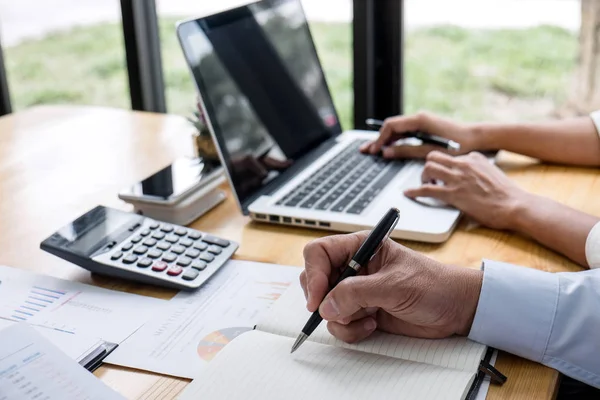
72,307
259,366
195,326
32,368
75,347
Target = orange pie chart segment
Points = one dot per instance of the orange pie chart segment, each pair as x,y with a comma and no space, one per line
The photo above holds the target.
214,342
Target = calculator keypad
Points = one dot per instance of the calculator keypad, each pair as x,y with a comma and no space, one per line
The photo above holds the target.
174,270
149,242
144,263
130,259
171,253
190,275
160,266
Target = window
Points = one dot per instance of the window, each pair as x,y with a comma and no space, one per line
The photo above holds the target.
490,59
74,57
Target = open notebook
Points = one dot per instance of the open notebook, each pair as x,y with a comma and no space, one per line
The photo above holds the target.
258,364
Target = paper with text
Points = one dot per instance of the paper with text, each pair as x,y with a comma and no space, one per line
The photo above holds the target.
288,316
72,307
259,366
31,368
195,326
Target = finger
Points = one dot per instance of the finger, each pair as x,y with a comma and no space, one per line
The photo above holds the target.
353,294
442,158
429,190
364,148
323,258
392,129
433,171
360,314
353,332
407,151
303,284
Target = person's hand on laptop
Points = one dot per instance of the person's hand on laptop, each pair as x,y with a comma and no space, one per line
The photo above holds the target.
395,295
474,185
395,128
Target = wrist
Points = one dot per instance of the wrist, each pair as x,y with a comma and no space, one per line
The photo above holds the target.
522,213
470,283
487,136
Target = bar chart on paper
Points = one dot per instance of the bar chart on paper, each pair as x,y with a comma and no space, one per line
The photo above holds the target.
274,290
72,307
40,299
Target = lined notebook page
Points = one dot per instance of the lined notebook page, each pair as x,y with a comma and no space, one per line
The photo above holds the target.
259,366
288,315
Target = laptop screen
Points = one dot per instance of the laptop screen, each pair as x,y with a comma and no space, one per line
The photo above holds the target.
263,90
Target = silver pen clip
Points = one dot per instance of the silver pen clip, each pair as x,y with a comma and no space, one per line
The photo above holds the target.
386,237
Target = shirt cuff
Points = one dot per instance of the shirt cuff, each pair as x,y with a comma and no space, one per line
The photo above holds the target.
596,118
592,247
516,309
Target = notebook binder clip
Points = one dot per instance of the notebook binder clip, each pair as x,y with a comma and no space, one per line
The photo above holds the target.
495,375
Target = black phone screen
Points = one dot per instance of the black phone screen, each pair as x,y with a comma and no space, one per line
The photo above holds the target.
174,180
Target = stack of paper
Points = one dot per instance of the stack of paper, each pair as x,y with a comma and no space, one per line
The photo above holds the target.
71,307
31,368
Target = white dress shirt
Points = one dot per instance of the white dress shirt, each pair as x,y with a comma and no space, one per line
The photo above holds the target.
550,318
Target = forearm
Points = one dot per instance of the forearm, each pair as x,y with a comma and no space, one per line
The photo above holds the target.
554,225
570,141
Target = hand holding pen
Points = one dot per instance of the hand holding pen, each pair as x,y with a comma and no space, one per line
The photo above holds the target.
369,248
426,138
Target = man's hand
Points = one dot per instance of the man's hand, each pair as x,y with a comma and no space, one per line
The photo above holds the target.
395,128
400,291
473,185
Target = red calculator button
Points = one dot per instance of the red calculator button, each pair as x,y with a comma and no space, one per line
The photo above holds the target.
174,270
159,266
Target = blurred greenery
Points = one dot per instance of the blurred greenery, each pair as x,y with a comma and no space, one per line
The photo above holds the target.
451,70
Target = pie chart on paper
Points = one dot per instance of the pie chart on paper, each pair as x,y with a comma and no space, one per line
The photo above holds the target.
214,342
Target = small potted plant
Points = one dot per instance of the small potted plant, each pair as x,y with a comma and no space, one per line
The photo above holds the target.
204,146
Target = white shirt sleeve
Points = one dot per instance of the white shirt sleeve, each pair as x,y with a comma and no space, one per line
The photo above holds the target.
596,118
551,318
592,247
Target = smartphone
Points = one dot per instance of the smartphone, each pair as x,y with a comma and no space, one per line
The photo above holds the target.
173,183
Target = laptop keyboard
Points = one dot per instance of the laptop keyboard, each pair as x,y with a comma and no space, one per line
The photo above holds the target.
348,183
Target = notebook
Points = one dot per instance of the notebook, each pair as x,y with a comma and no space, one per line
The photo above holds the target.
258,364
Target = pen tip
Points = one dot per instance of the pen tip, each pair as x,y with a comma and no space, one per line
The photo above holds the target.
301,339
454,145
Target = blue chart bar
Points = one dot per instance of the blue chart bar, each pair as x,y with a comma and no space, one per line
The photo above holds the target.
37,300
50,290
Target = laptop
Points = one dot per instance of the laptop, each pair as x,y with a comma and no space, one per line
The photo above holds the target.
267,104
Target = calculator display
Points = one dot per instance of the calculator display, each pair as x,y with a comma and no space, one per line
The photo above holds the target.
88,232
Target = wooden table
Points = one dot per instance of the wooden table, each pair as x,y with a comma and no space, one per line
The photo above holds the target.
58,162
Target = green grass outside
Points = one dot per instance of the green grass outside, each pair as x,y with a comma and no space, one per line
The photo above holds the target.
448,69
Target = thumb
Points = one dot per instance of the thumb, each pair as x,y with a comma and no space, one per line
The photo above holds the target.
350,296
439,192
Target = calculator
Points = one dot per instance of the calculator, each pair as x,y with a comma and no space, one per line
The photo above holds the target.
125,245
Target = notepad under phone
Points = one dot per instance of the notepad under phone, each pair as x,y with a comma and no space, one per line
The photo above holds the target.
258,364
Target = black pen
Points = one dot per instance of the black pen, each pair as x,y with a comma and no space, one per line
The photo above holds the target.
365,253
424,137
